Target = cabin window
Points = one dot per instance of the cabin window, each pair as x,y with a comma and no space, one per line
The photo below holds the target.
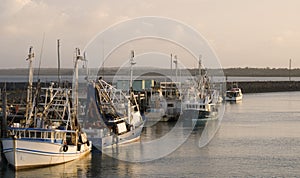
170,105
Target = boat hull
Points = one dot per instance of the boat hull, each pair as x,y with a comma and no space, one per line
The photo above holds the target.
239,98
197,115
104,141
235,94
30,153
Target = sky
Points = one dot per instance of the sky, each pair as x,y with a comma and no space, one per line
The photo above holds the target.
243,33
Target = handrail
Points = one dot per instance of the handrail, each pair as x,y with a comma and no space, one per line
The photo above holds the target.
40,130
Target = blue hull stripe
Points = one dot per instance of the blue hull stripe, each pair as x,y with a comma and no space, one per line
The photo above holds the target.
37,151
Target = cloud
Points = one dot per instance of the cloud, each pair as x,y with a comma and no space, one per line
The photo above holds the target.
10,7
237,29
286,37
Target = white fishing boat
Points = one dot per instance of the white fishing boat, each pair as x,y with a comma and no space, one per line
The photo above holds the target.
234,94
171,95
113,118
157,107
200,101
51,133
164,103
201,108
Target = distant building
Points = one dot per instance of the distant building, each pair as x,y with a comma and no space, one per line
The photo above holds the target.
137,85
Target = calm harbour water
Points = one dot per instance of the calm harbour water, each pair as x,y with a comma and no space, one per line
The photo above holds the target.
258,137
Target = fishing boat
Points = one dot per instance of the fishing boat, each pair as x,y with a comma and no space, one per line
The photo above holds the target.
51,133
200,100
164,103
234,94
157,107
114,117
172,97
201,107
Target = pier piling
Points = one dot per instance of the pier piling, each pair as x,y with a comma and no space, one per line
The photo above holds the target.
4,115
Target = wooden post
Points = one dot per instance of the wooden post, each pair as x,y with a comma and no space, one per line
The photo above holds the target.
4,114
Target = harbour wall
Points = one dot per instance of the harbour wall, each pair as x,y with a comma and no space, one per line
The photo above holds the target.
266,86
246,86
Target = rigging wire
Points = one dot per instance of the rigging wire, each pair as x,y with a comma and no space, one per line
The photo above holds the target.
41,54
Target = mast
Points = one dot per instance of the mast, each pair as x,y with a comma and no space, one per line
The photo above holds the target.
176,68
58,63
75,82
201,81
199,65
78,57
40,61
171,67
200,71
103,59
30,80
132,62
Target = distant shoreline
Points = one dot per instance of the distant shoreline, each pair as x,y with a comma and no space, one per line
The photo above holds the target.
248,86
230,72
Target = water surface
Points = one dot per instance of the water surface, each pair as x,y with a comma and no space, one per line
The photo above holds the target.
258,137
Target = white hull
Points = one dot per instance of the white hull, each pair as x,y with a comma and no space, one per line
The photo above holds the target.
33,153
235,94
239,98
101,141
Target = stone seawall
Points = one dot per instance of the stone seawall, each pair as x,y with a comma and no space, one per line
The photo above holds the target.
267,86
247,87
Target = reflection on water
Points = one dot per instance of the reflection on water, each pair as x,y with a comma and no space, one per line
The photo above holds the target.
160,140
100,164
210,129
163,138
77,168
